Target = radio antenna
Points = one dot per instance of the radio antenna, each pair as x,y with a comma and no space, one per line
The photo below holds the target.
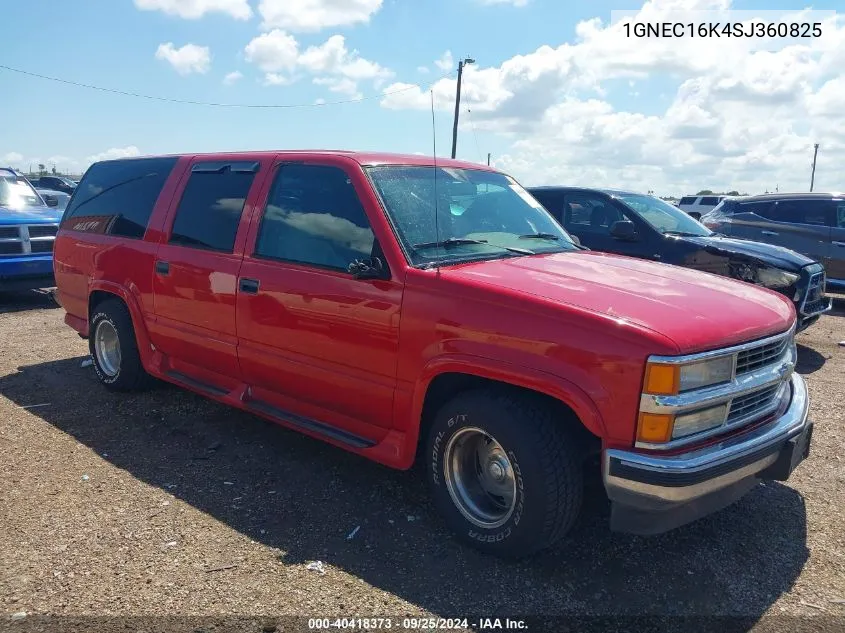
436,214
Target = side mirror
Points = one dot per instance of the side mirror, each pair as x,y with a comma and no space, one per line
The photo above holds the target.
624,230
372,268
52,201
575,239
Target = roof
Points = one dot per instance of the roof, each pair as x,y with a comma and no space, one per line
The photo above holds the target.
605,190
791,196
361,157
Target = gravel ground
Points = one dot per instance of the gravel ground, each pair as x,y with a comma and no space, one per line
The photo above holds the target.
165,503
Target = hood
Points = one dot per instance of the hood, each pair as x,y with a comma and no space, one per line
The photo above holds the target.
30,215
772,255
698,311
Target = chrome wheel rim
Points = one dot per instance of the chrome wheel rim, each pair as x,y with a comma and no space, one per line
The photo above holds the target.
107,348
479,477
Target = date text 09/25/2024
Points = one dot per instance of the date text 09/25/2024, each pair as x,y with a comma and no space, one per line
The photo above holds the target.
417,624
761,30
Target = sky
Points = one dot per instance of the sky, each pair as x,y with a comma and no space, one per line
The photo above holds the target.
558,93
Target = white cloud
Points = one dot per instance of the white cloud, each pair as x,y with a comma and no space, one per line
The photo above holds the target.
11,158
315,15
446,62
232,77
743,114
115,152
341,69
186,60
422,69
194,9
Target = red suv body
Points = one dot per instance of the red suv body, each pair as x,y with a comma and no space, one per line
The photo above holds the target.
404,310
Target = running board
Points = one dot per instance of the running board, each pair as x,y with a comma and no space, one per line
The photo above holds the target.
196,384
307,424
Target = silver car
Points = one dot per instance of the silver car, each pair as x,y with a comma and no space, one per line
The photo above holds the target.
810,223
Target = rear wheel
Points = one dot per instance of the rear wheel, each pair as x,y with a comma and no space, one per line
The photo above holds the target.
114,348
504,473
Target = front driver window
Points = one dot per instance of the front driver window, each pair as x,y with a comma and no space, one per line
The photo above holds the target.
590,214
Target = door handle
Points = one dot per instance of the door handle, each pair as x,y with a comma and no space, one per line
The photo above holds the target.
769,233
249,286
839,243
162,268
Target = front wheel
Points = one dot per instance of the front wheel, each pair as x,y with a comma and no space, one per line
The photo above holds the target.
504,473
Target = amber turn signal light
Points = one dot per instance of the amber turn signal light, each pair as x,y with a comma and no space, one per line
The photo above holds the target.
663,380
655,428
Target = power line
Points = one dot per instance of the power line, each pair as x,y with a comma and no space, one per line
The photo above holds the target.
218,105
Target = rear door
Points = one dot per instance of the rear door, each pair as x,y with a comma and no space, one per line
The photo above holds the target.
835,263
801,225
196,269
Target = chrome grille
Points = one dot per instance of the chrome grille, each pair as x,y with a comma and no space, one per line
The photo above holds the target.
814,300
753,405
25,239
752,359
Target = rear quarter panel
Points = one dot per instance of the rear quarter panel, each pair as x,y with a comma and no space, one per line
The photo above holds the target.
86,259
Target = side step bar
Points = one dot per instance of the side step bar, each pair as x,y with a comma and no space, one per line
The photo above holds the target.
196,384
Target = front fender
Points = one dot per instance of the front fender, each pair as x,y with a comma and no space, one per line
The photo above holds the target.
517,375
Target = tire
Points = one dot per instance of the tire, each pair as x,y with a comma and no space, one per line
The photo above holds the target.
542,454
111,318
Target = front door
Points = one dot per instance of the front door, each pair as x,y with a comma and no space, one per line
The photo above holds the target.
196,270
800,225
590,216
313,340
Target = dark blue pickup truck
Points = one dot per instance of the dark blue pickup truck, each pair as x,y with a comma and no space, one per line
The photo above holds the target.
28,227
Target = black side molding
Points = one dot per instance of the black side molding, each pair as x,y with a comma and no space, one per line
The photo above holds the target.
196,384
308,424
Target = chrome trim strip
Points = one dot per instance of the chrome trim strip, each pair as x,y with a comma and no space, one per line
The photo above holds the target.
724,351
734,448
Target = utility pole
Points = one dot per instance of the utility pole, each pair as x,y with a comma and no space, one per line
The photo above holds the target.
461,65
813,175
488,159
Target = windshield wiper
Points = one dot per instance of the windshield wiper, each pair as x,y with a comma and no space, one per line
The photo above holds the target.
459,241
539,236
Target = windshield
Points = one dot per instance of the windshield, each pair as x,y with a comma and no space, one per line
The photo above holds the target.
663,216
481,215
15,192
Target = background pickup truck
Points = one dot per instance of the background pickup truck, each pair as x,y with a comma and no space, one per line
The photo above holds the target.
28,229
436,314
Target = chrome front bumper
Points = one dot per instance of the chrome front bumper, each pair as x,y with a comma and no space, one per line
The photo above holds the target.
653,493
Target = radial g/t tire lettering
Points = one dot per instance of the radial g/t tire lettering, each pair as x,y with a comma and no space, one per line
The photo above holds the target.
111,325
542,455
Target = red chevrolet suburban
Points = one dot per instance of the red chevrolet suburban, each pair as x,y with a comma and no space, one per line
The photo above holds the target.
417,310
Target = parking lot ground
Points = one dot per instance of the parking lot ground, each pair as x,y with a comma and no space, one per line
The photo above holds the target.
166,503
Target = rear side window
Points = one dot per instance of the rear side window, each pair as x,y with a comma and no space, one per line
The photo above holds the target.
314,216
688,200
117,197
710,201
211,206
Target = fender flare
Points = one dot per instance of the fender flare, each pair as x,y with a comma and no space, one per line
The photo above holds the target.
121,292
518,375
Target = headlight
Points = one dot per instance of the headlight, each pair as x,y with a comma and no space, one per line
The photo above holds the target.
667,380
775,278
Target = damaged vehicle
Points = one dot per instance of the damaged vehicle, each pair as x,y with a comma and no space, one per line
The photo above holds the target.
644,226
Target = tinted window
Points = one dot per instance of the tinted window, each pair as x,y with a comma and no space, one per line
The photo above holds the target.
117,197
586,213
758,208
710,201
314,216
211,206
688,200
840,214
800,211
551,200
